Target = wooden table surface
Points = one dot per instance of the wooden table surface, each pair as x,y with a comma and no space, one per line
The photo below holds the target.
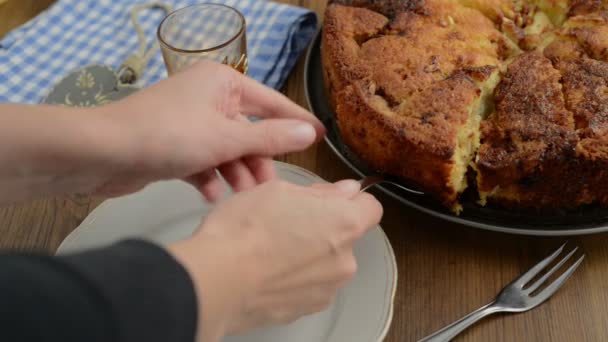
445,270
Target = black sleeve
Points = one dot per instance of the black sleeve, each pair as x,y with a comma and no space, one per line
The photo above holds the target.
132,291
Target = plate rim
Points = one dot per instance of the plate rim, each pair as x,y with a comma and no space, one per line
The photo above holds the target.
443,216
388,253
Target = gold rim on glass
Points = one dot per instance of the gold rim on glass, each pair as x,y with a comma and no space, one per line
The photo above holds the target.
222,45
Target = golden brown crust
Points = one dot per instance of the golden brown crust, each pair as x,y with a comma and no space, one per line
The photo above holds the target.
496,10
591,32
410,52
340,43
413,143
531,173
406,77
580,7
527,142
404,87
564,48
586,93
388,8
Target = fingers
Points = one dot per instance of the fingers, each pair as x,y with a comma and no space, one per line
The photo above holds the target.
264,102
368,210
318,299
344,197
346,188
336,270
238,175
267,138
241,175
209,184
364,209
261,168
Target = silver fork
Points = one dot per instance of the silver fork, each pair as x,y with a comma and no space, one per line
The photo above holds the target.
369,181
515,297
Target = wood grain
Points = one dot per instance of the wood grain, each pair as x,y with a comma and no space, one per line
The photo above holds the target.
445,270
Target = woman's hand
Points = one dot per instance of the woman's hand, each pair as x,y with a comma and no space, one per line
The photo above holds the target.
183,127
186,126
275,253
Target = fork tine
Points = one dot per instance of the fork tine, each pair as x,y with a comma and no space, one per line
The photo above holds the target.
526,277
551,289
369,181
415,192
544,278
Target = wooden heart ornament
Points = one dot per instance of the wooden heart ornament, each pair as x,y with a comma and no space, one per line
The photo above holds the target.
91,86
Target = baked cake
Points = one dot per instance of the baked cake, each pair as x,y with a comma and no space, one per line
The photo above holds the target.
508,97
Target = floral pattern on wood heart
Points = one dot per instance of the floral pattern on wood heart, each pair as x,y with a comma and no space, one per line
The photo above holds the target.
91,86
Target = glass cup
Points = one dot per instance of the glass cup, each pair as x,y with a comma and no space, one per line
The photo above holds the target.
203,31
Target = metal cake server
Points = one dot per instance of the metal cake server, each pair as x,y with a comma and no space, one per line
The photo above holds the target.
370,181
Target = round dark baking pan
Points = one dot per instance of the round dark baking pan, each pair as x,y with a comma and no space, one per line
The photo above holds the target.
579,221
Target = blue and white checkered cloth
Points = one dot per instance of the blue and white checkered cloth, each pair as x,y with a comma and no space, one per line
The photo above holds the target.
74,33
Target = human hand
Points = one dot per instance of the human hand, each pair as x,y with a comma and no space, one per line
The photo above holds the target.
275,253
186,126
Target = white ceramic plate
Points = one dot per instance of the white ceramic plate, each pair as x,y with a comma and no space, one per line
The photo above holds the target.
169,211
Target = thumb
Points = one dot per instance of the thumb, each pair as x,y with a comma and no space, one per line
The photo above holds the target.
347,188
271,137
